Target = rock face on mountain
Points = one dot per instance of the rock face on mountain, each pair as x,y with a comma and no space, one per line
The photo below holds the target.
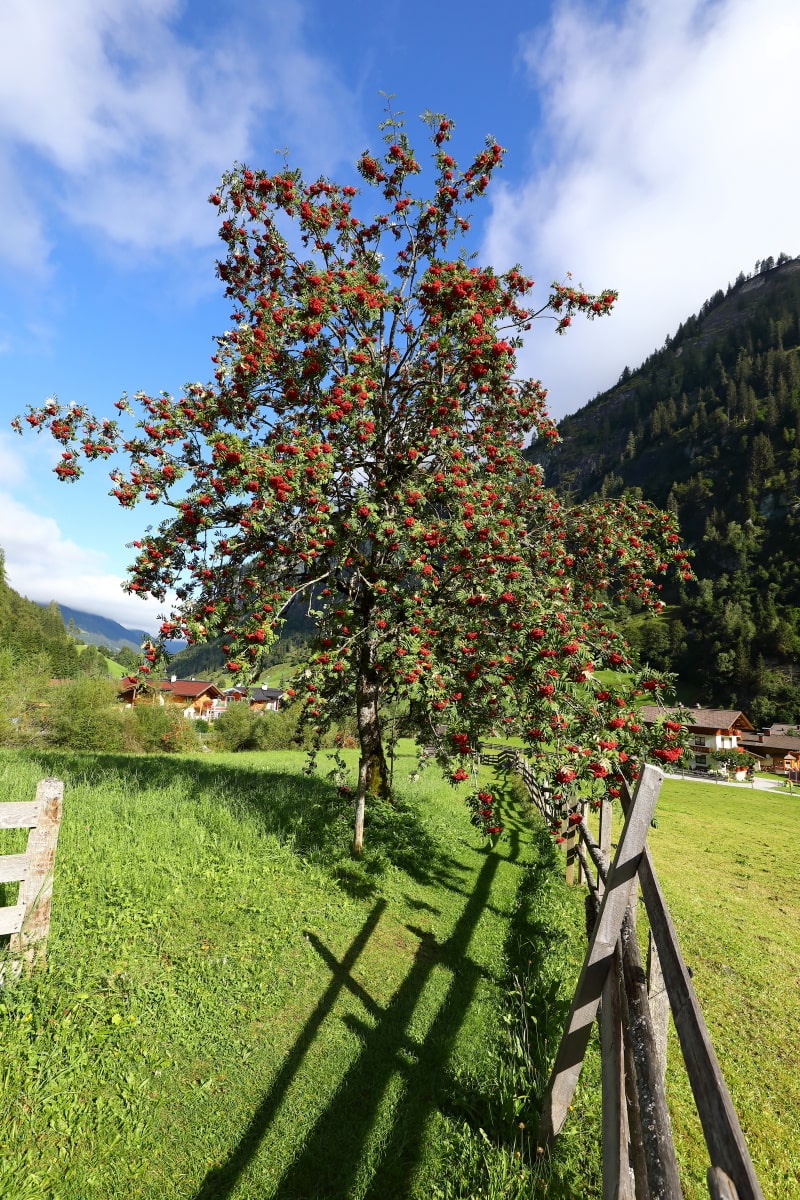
710,426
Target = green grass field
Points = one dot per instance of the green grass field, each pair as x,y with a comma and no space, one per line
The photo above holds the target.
726,865
233,1008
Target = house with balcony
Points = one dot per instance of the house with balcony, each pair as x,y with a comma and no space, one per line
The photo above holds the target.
196,698
711,730
260,699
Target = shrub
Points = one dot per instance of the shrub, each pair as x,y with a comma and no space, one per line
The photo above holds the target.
158,728
81,714
237,727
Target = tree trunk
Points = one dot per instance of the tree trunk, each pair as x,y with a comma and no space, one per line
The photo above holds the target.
373,775
361,795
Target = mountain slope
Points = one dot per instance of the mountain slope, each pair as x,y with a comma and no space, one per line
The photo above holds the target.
102,631
710,427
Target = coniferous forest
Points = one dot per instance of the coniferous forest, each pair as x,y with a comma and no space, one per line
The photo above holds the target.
709,426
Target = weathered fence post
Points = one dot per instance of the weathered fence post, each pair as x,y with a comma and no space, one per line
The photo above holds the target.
617,1178
720,1185
582,810
569,831
659,1003
29,921
606,809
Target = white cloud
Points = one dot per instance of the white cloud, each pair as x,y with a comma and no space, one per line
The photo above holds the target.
43,565
12,467
671,133
122,118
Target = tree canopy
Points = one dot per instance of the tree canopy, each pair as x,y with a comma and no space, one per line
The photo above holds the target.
359,452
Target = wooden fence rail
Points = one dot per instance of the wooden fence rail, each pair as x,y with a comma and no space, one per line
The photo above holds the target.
28,920
633,1008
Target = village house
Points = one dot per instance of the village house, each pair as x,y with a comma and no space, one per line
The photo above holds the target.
776,750
712,730
260,699
197,698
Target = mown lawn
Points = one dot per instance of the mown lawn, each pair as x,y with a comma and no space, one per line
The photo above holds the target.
232,1008
726,865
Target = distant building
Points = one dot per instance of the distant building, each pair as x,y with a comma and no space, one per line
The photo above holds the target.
712,730
260,699
777,750
197,698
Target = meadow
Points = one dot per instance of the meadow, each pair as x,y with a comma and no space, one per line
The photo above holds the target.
233,1008
727,866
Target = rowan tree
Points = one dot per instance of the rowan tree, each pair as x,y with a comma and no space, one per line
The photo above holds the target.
359,451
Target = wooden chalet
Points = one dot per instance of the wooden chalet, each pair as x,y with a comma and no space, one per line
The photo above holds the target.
776,750
712,729
195,697
265,699
260,699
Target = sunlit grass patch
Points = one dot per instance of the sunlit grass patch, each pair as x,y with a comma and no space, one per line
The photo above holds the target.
231,1002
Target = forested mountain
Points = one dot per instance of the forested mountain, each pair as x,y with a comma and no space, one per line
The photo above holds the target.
34,640
208,661
710,426
102,631
29,632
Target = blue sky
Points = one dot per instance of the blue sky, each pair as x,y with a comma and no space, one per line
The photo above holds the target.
651,148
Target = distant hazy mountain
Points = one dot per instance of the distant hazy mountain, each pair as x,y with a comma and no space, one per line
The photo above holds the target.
102,631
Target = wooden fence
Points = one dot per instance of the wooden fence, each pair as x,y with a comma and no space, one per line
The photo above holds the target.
28,920
633,1009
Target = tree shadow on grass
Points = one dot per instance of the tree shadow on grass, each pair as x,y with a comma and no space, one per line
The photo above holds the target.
302,811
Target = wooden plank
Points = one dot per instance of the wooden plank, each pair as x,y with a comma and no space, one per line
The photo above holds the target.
658,1150
15,815
720,1185
568,831
727,1148
617,1180
636,1139
13,868
582,874
36,890
596,964
11,919
597,858
659,1002
606,811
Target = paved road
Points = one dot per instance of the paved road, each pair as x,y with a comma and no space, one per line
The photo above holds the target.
755,784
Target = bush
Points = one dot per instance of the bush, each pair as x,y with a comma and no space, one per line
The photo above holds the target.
81,714
277,730
237,727
158,728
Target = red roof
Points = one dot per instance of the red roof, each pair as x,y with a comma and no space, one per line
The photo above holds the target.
187,689
190,688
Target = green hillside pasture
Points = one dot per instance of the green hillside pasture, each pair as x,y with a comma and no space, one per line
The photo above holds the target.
233,1008
727,862
115,669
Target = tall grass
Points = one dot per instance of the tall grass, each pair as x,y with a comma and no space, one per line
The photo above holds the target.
232,1007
